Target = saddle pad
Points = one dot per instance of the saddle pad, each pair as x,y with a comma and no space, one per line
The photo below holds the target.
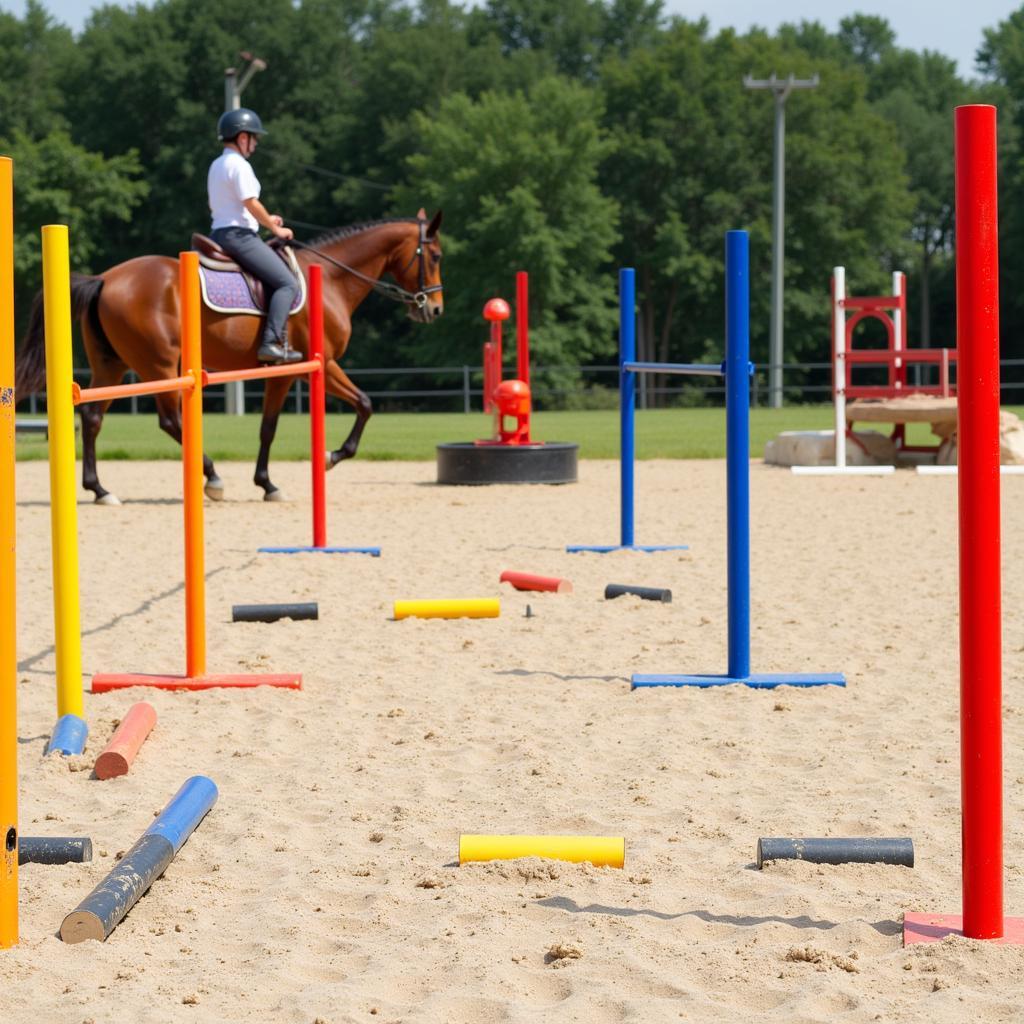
227,291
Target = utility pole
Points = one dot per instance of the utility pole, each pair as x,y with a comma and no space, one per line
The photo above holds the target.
234,391
781,88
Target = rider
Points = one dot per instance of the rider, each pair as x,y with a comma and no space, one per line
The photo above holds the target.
237,214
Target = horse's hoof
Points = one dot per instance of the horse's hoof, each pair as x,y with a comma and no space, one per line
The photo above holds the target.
275,495
328,460
108,499
214,489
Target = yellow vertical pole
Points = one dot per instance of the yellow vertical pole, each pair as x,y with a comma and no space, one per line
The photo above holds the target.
192,466
8,661
63,495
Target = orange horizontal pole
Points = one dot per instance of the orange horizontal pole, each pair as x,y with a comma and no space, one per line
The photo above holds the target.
146,387
262,372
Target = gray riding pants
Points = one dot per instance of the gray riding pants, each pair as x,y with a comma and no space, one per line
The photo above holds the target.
251,252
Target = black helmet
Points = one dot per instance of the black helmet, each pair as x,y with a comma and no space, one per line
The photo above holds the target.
233,122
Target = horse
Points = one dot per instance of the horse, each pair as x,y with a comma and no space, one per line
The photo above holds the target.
129,320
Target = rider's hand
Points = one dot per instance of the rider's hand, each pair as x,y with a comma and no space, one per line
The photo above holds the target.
285,234
277,220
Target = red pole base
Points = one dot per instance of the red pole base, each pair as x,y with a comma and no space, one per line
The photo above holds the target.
935,927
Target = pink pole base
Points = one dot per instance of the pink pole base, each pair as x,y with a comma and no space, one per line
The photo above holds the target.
935,927
107,682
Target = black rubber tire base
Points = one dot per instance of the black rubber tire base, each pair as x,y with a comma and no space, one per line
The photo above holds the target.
550,462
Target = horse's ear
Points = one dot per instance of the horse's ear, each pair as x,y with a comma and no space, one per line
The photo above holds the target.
435,224
422,215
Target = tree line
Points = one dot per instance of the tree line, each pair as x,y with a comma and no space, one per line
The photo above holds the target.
565,137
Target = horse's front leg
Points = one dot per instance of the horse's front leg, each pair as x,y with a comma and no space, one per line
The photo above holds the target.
168,410
274,393
339,385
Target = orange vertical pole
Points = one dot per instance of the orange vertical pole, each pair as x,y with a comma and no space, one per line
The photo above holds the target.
8,661
192,466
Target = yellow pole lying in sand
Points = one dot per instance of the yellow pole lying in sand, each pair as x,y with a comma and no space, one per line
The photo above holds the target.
63,497
601,851
8,660
453,608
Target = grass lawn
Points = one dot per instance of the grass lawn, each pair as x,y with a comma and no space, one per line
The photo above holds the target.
660,434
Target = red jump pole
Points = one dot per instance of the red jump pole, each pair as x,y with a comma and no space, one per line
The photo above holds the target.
981,734
523,326
318,406
977,314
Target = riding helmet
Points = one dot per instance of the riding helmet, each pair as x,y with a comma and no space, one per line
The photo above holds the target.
233,122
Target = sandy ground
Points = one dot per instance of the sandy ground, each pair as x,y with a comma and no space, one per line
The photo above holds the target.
324,885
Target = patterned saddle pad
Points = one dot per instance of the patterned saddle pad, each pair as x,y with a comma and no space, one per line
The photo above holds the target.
231,291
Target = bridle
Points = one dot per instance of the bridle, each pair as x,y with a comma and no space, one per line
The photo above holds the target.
418,298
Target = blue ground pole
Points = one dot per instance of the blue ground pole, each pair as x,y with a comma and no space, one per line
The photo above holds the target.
737,417
106,906
68,736
627,425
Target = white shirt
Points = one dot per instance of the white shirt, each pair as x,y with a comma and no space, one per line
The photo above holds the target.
230,182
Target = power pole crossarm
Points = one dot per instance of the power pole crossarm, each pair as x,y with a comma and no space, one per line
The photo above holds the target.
780,88
234,391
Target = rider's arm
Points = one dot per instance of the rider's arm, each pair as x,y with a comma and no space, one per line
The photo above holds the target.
271,221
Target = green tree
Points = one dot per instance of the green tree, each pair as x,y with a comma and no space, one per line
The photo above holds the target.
692,158
34,54
57,182
516,175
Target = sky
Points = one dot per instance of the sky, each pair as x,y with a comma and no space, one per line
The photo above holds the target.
952,27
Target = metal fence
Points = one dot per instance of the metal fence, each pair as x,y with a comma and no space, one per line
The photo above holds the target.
460,388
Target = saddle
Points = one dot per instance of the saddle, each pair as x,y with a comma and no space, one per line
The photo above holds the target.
215,263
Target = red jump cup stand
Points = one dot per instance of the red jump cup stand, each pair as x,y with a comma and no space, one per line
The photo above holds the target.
510,456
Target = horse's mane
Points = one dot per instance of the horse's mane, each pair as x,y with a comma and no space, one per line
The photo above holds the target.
337,234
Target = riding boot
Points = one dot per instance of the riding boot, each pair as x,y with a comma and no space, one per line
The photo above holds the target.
275,353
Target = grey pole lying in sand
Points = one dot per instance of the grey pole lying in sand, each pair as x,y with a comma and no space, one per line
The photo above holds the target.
273,612
647,593
105,907
53,850
838,851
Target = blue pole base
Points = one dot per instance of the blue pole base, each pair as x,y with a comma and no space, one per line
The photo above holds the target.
604,549
761,681
375,552
68,736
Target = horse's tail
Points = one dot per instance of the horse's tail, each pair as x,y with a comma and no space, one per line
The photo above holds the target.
30,368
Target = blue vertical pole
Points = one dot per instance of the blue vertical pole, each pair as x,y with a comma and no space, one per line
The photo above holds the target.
737,446
627,399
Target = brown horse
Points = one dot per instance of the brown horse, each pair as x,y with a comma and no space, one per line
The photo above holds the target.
129,319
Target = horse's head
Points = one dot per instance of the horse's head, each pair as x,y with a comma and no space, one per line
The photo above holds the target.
417,268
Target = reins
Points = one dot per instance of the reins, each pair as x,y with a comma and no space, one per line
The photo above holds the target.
385,288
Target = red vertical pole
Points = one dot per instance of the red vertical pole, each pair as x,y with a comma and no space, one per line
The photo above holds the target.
523,326
318,406
977,315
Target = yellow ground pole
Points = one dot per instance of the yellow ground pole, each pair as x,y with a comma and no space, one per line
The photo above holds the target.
8,660
192,465
63,495
601,851
453,608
